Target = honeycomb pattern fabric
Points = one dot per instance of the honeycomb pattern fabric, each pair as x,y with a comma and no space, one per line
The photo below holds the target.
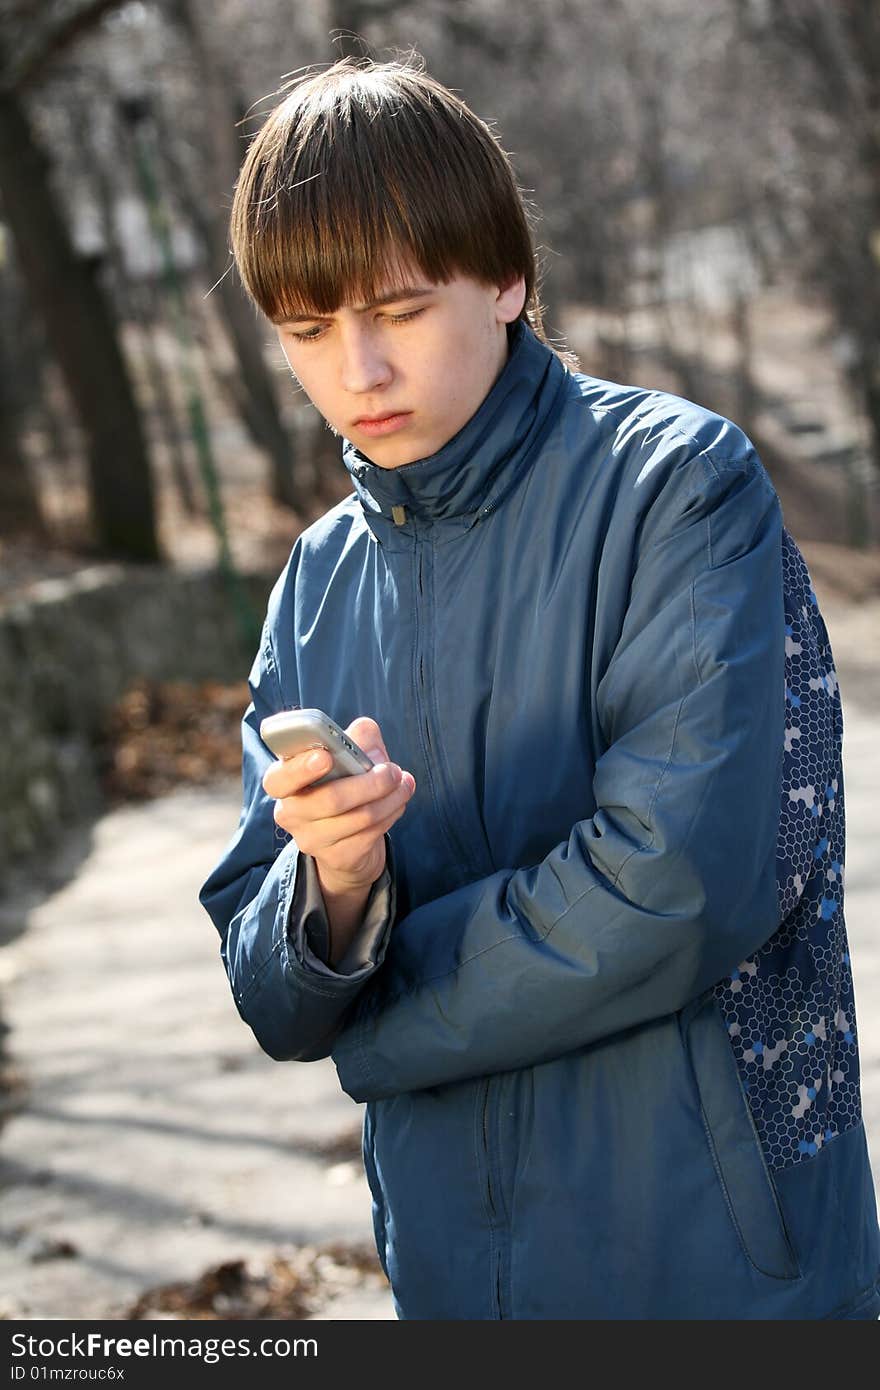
789,1008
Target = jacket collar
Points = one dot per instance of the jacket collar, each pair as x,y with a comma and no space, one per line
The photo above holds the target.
480,463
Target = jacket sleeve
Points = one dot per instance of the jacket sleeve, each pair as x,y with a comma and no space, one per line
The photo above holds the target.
671,882
265,900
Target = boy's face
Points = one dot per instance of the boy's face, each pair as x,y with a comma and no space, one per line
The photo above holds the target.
400,376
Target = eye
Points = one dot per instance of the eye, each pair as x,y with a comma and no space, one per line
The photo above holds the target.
405,316
308,335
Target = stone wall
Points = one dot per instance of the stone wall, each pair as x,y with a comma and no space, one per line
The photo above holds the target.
66,655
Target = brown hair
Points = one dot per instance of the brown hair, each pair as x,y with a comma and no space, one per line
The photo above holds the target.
363,168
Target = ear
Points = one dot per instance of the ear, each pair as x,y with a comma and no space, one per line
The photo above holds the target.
510,300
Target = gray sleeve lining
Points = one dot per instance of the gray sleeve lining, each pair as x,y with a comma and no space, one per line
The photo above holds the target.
309,928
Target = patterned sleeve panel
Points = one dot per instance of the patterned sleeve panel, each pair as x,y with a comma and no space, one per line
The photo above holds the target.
789,1008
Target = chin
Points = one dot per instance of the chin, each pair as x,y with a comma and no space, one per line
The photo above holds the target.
396,460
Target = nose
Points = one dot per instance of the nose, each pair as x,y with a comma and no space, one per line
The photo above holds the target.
364,366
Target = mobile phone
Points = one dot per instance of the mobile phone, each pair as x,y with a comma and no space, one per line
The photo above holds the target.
296,730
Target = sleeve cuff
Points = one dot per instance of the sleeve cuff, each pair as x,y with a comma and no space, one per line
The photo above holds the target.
309,929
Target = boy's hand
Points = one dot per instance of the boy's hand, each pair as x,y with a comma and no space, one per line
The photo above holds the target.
341,824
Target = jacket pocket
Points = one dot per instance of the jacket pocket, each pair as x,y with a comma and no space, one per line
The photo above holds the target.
734,1144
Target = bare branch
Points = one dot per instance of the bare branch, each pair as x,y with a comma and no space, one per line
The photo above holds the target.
49,37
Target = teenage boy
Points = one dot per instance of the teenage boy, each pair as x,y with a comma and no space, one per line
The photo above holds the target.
580,945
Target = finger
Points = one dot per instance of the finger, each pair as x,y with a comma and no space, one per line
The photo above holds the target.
317,836
344,853
288,776
368,736
366,817
345,794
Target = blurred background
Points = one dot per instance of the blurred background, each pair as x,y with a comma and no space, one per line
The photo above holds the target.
705,182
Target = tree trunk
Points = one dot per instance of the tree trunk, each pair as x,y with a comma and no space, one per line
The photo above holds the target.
64,291
871,393
131,306
20,510
746,390
19,504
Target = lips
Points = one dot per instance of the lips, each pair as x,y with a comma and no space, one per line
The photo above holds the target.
376,419
383,424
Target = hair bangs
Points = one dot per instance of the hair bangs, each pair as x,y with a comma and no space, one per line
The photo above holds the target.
341,230
366,175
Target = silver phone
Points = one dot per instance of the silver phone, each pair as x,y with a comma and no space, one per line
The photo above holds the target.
296,730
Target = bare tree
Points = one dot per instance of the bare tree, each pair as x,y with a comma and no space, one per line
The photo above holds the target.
19,502
825,61
134,303
66,292
221,105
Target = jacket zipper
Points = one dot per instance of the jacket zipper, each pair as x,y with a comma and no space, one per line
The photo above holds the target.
422,690
459,849
493,1210
486,1149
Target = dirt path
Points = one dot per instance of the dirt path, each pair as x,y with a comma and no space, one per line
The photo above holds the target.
156,1140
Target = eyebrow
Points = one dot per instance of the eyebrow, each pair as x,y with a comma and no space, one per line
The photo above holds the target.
392,296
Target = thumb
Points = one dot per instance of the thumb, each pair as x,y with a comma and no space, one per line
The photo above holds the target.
367,735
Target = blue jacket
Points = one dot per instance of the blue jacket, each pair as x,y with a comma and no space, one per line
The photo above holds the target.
601,1010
